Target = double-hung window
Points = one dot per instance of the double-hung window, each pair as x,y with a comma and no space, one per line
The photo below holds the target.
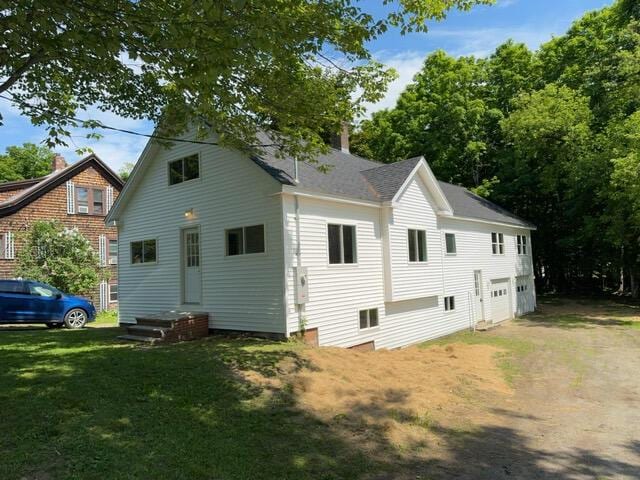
113,252
113,292
184,169
450,243
368,318
245,240
144,251
417,241
497,243
342,243
521,243
89,201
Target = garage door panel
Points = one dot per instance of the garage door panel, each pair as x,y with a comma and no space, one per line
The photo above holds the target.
500,303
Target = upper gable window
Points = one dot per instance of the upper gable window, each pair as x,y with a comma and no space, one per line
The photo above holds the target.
342,243
417,240
184,169
89,201
521,242
497,243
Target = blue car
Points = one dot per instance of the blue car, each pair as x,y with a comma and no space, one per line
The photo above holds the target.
26,301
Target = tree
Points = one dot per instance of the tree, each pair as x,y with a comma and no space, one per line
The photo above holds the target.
58,256
287,67
125,170
443,115
551,175
27,161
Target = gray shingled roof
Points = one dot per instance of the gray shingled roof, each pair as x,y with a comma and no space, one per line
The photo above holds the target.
467,204
356,177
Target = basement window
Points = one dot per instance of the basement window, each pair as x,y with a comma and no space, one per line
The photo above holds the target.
143,251
245,240
417,241
497,243
449,303
342,243
184,169
368,318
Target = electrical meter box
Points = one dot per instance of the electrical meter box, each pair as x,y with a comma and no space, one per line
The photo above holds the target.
302,285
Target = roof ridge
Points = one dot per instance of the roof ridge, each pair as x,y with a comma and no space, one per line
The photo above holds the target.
391,164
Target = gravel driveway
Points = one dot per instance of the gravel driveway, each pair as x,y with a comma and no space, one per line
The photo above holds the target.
575,413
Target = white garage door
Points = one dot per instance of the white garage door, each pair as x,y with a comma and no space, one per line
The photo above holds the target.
500,305
524,294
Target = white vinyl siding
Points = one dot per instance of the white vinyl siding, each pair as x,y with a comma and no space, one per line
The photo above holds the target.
243,292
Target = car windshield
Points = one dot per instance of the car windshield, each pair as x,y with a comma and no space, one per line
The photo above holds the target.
43,290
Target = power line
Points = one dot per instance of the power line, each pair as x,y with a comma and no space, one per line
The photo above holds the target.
97,124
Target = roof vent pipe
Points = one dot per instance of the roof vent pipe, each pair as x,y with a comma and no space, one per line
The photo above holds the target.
295,170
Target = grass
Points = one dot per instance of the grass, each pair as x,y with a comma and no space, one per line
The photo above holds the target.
80,405
509,359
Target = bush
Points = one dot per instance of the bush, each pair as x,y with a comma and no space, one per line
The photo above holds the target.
59,256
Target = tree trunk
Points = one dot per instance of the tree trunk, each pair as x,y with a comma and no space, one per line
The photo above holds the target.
621,287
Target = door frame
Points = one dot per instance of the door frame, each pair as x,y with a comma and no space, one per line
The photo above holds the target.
481,289
182,262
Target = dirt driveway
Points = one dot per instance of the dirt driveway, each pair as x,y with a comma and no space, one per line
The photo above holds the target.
555,395
575,410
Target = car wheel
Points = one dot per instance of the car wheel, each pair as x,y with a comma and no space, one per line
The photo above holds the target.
75,318
54,325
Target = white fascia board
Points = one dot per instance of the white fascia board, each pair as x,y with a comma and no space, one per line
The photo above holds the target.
432,185
132,180
490,222
295,191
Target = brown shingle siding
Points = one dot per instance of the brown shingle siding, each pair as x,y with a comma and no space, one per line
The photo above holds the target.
53,206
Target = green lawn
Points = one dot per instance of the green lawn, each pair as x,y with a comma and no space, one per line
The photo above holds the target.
80,405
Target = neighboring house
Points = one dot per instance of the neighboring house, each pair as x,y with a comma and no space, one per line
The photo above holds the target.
79,195
366,254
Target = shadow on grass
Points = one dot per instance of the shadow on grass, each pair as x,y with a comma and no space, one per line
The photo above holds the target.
77,404
576,321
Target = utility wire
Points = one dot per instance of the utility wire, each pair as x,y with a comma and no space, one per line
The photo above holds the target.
97,124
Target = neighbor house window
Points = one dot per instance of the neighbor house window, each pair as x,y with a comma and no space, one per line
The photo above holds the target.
184,169
497,243
521,242
89,201
342,243
144,251
450,242
449,303
245,240
417,240
113,292
368,318
113,252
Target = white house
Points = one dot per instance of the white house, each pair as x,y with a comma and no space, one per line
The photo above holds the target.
373,254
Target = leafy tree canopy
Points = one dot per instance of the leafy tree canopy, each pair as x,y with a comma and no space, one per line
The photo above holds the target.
58,256
27,161
290,67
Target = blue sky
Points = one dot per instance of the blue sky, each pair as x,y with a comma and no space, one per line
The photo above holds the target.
477,32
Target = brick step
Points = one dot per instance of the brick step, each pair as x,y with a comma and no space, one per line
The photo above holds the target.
140,338
147,331
155,322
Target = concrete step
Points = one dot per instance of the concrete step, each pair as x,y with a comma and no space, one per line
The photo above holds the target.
484,326
147,331
155,322
140,338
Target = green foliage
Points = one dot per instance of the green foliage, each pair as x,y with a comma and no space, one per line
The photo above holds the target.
552,135
27,161
58,256
125,170
287,67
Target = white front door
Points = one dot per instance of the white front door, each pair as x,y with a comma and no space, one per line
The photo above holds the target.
477,296
500,300
191,276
